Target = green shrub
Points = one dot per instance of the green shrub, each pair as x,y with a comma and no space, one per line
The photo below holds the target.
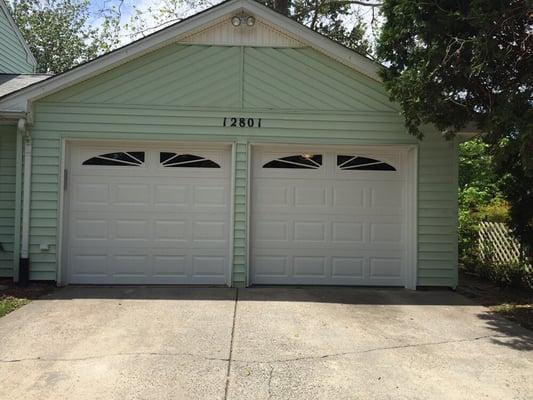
513,274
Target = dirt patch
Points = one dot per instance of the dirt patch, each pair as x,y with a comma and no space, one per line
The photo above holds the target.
515,304
13,296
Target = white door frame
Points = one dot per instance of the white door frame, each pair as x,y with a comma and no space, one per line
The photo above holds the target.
411,197
62,231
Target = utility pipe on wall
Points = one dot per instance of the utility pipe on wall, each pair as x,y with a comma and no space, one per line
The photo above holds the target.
24,264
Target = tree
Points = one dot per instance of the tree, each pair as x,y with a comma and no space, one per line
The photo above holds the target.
59,32
479,199
455,62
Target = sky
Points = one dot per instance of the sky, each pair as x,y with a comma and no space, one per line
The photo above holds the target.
128,8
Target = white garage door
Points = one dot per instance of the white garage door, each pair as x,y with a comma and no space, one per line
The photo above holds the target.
148,214
325,216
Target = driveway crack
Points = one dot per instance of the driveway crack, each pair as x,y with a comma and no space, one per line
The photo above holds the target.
101,356
270,374
385,348
228,371
229,360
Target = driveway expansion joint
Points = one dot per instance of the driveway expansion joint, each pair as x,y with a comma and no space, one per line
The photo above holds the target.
228,371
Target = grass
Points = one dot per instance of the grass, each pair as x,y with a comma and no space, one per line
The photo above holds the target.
519,313
515,304
13,296
10,303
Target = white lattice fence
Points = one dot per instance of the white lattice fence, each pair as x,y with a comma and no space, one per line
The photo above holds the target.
497,243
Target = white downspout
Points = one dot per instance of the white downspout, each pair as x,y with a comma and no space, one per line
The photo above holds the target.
24,266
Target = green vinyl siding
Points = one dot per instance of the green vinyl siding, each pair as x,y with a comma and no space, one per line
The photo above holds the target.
14,58
8,138
183,93
437,212
240,214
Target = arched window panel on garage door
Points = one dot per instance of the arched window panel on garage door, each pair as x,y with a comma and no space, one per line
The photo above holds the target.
174,160
119,158
300,161
360,163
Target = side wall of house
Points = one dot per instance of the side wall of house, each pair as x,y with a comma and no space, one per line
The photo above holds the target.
183,93
8,138
14,58
437,211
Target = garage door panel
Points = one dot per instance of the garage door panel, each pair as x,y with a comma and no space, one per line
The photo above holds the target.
171,231
270,266
205,266
268,231
309,266
148,224
334,227
385,267
347,267
350,196
172,195
386,233
348,232
310,196
308,231
87,264
167,266
272,196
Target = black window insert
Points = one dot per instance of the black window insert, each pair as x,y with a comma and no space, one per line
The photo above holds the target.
120,158
174,160
360,163
301,161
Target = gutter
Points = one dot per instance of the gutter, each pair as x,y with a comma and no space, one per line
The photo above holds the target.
10,115
24,261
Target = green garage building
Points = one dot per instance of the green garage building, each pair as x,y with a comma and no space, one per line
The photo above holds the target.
236,147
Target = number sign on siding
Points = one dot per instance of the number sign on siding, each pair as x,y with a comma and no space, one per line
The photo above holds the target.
241,122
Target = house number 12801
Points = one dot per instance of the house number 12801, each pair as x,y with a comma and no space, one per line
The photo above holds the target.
242,122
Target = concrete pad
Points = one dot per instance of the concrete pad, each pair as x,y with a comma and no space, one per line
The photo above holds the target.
285,343
118,343
353,343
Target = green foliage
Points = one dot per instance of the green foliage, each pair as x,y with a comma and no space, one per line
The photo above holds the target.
479,197
8,304
59,32
513,274
454,63
330,19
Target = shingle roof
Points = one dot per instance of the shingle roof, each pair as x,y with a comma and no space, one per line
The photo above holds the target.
12,82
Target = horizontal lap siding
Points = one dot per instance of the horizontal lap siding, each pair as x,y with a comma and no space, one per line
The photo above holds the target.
240,227
56,120
123,104
8,138
13,57
437,213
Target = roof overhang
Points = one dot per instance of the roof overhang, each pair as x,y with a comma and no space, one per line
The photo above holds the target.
20,100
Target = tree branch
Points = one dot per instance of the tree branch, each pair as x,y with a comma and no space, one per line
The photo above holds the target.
358,2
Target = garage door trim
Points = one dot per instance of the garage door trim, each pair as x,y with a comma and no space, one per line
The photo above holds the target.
411,194
68,143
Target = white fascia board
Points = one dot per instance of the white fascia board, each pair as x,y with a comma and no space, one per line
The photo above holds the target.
20,100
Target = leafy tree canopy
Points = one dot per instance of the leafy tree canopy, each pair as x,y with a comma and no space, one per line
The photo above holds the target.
60,34
452,63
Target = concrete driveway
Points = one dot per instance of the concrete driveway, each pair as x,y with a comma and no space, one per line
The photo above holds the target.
261,343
